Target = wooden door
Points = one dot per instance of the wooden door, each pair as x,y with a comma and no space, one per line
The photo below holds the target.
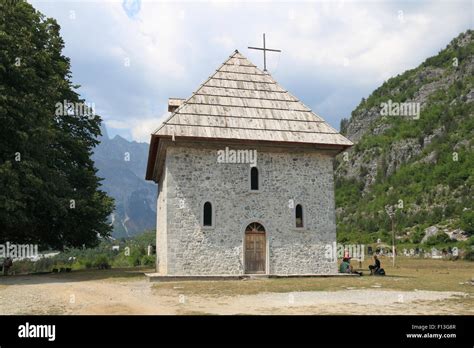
255,249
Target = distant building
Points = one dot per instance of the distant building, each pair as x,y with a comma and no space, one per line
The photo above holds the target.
245,178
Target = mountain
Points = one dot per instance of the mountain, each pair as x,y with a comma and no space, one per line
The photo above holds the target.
122,165
422,162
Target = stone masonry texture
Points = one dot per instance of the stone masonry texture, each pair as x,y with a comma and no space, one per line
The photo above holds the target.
192,176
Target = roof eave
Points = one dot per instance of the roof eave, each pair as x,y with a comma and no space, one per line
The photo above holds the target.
155,138
152,151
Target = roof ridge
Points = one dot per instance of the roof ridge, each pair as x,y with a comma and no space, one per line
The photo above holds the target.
276,105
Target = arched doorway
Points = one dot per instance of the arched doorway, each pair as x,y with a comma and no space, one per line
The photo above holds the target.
255,248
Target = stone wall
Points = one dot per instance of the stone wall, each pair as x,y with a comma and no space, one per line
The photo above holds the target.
161,236
193,177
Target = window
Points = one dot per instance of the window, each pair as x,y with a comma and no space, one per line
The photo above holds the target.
207,214
299,215
254,179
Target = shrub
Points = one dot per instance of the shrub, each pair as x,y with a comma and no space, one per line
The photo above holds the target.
23,266
440,238
470,240
45,264
417,236
469,255
28,266
148,260
136,254
467,221
87,264
102,257
102,262
121,261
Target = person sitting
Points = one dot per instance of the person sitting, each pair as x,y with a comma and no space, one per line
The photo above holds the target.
346,267
375,267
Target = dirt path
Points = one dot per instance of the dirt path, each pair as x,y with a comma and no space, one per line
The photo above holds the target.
61,295
335,302
110,296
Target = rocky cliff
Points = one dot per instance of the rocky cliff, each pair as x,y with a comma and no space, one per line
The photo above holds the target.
122,165
414,151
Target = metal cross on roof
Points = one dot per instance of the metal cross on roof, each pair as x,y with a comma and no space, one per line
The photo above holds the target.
264,49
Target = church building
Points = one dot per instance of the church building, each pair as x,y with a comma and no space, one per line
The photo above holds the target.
245,180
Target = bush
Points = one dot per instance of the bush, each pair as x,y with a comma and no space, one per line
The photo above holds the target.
467,221
469,256
102,262
440,238
470,240
23,266
88,264
42,265
45,264
417,236
136,254
148,260
121,261
101,257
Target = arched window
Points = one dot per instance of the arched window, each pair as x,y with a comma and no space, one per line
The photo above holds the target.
254,179
299,215
207,214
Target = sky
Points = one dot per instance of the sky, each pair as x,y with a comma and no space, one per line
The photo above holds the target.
130,56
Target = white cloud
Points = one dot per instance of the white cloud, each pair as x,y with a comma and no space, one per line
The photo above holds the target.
142,129
139,129
173,46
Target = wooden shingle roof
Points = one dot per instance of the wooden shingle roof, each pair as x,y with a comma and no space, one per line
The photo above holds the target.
241,102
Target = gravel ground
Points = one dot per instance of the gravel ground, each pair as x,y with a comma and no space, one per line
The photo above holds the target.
50,295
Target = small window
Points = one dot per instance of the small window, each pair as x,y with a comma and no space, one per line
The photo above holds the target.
299,215
207,215
254,179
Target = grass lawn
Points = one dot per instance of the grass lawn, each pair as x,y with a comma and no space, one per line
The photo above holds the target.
127,290
408,274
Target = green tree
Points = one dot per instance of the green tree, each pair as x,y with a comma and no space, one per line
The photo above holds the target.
467,221
49,191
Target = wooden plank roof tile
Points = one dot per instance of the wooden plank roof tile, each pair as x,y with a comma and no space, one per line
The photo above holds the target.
239,101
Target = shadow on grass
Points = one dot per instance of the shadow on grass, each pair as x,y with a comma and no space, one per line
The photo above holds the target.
75,276
386,276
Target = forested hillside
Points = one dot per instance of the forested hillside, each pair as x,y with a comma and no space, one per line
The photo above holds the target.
423,164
